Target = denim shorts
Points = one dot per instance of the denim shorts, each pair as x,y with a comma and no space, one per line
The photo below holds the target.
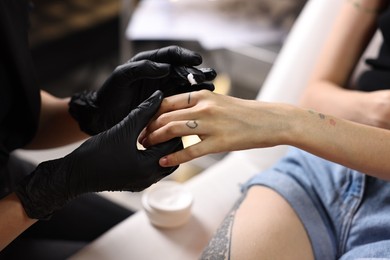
346,214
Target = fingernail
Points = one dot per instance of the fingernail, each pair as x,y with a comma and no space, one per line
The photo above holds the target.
164,161
143,142
198,58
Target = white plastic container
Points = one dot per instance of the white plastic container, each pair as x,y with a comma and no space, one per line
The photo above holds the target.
167,204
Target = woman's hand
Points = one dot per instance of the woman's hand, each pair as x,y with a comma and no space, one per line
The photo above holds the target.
223,123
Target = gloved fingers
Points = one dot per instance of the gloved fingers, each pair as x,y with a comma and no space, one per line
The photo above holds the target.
199,75
143,69
152,156
142,185
185,76
179,75
140,116
209,73
197,87
175,90
174,55
190,88
167,171
160,150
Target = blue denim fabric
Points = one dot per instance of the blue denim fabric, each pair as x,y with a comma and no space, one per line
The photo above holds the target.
345,213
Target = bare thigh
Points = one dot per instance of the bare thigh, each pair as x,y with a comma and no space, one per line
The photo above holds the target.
261,226
265,225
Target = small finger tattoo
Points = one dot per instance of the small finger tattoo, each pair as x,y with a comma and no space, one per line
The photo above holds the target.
192,124
189,98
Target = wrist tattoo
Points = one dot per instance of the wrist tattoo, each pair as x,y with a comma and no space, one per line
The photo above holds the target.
358,5
320,115
323,117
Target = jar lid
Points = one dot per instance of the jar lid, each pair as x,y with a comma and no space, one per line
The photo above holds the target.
169,196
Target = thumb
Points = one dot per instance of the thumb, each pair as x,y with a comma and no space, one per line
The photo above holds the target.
140,116
174,55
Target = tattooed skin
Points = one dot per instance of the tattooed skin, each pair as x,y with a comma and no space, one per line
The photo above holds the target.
192,124
358,5
320,115
189,98
331,121
219,246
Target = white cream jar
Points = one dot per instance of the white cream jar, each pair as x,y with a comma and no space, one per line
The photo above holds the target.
167,204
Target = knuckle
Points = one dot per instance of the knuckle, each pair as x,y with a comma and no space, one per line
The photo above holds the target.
145,63
207,109
162,120
203,93
192,152
171,129
119,68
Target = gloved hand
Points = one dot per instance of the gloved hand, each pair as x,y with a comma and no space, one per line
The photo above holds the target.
107,161
131,83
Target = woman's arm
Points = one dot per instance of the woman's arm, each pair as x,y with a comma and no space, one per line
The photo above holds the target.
226,123
328,90
56,126
13,219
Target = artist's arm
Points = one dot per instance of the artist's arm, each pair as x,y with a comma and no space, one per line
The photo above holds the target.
226,123
13,220
328,90
56,126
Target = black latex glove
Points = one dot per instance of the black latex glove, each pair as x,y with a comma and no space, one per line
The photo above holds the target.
165,69
108,161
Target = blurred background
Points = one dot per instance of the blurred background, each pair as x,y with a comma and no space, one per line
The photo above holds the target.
77,44
74,42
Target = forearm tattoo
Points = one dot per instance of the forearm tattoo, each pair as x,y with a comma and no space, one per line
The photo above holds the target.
219,246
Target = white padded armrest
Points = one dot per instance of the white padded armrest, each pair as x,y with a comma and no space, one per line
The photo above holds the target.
292,68
294,64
